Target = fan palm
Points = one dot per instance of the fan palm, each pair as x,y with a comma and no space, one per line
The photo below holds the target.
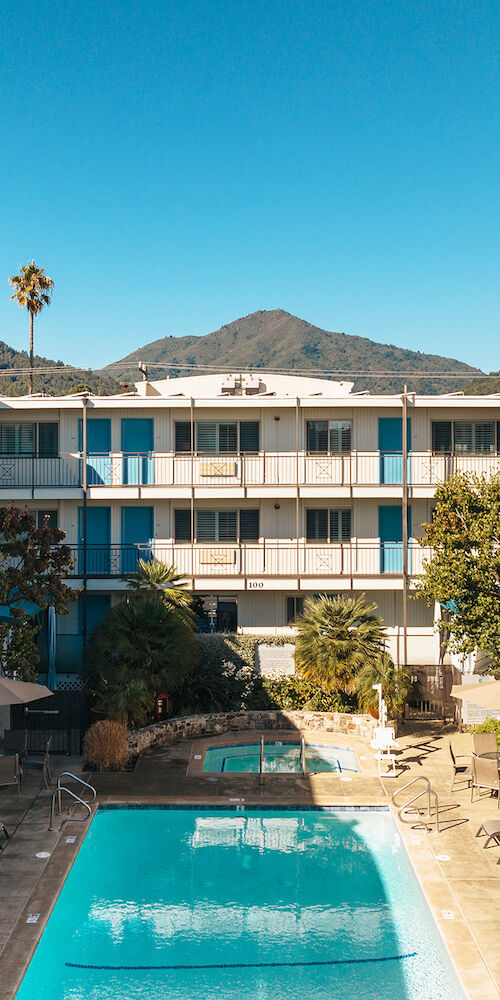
33,289
156,577
127,696
396,686
336,638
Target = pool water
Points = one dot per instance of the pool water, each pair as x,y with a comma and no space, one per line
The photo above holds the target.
199,904
280,757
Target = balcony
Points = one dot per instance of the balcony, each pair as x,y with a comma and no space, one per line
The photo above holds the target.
233,472
270,560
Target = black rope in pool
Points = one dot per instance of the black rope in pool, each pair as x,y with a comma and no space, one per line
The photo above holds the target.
242,965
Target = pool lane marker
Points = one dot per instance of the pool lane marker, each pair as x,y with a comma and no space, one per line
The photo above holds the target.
242,965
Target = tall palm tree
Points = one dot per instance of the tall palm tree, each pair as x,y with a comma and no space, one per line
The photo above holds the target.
155,577
33,289
336,638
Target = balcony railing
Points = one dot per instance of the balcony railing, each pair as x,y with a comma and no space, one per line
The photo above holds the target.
268,560
221,471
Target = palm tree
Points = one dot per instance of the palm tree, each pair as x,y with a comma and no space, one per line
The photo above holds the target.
32,292
396,686
127,696
336,638
156,577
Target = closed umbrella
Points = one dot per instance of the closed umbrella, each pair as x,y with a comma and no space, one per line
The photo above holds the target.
486,694
20,692
51,675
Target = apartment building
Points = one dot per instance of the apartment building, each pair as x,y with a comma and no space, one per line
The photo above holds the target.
261,489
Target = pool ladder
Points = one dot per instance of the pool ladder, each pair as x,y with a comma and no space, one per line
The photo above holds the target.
57,800
410,804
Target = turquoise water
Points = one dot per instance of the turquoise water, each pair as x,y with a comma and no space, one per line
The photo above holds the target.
194,904
280,757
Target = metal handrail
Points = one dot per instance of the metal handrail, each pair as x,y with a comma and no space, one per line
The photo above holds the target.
261,758
428,791
303,756
56,796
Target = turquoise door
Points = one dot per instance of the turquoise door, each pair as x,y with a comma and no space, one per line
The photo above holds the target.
390,446
390,529
137,448
137,536
98,541
99,466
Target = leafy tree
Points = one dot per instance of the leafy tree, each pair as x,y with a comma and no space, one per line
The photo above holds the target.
463,572
33,565
396,686
146,636
33,289
125,695
156,577
336,638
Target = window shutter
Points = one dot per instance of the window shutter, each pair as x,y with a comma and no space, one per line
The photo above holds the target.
26,439
317,435
183,436
249,436
182,528
206,526
249,525
48,440
317,525
485,437
227,526
228,438
206,437
463,436
346,526
8,439
441,436
340,436
346,444
335,526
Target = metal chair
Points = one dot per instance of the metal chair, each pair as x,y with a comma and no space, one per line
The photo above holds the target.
10,772
485,775
484,743
491,827
462,771
42,764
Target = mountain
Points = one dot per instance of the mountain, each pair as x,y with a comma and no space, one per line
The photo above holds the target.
276,340
62,383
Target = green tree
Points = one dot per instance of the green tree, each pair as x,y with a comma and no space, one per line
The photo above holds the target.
146,636
33,289
156,577
396,686
463,571
336,638
33,565
125,695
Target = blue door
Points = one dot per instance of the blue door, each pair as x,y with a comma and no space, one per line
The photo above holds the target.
98,541
137,448
99,466
97,607
390,529
137,536
390,446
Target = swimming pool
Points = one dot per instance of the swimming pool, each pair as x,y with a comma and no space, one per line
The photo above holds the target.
197,904
281,757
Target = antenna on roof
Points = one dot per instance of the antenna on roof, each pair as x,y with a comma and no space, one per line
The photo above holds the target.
143,368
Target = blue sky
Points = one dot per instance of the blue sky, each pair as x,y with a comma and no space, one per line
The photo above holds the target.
179,164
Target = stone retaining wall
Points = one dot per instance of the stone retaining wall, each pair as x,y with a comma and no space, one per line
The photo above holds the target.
196,726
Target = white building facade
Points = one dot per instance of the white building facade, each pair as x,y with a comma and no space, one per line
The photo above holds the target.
262,490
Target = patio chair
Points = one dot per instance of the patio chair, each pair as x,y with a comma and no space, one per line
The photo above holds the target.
10,772
16,741
461,771
384,742
484,743
485,775
41,763
491,827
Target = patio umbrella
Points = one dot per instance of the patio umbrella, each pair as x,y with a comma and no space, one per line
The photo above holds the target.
51,674
20,692
486,694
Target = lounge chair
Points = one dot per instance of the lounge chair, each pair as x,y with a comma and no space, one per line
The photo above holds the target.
10,772
16,741
485,775
484,743
41,763
462,771
491,827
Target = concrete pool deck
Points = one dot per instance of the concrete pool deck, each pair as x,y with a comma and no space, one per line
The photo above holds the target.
460,879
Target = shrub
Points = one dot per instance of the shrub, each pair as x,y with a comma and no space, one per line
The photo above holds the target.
297,693
489,726
396,686
105,746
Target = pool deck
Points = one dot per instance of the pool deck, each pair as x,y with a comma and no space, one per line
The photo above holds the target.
460,879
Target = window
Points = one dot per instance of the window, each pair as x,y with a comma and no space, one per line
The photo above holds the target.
183,436
294,607
230,438
324,525
474,436
217,526
48,517
29,439
216,614
249,436
333,436
441,436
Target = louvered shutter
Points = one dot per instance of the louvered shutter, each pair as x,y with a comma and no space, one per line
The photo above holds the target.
249,525
441,436
228,531
317,525
206,437
340,436
183,436
484,437
228,438
463,436
346,526
182,525
249,436
317,436
206,526
26,439
48,440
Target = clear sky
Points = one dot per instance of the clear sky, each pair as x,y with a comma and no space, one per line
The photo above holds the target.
176,165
